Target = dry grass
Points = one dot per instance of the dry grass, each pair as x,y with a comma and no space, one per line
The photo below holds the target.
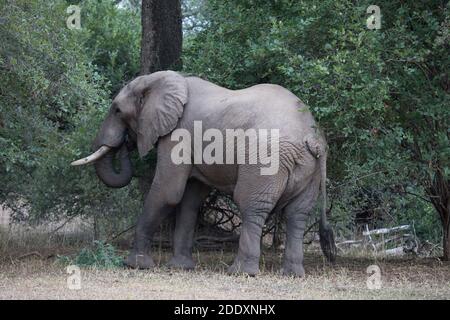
40,276
33,277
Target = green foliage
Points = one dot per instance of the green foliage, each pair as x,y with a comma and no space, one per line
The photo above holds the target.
52,101
101,255
113,40
382,96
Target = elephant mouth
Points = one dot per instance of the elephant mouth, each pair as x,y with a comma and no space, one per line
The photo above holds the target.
128,139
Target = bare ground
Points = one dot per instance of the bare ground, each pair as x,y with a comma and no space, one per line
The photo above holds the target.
34,277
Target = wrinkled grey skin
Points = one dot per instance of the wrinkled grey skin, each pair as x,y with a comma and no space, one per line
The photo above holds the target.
152,106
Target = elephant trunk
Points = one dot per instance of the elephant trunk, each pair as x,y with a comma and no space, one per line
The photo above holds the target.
106,172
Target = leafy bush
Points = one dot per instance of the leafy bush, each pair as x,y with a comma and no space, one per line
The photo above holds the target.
51,103
101,255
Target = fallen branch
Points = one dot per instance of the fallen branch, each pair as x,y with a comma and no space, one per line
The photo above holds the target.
386,230
232,238
64,223
209,242
349,242
34,253
121,233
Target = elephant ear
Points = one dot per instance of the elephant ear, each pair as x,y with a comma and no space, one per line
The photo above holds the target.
163,95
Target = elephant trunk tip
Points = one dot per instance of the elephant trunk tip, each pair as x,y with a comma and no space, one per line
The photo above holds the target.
106,172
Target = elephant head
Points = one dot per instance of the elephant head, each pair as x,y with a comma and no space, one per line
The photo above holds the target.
144,110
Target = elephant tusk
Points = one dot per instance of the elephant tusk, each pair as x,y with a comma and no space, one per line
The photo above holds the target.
93,157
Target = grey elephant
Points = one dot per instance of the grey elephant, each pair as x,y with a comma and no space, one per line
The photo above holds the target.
151,107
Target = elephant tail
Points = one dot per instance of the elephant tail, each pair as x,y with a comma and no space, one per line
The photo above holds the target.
326,234
327,243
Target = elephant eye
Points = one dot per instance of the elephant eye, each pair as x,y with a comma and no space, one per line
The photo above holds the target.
118,110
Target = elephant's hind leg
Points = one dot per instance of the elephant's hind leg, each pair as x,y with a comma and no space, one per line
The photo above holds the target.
256,197
296,214
187,212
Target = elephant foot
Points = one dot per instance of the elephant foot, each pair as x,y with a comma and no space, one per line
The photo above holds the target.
181,262
293,269
244,267
139,261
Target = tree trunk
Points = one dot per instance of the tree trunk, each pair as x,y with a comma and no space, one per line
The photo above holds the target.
161,42
446,242
161,45
162,36
446,228
439,193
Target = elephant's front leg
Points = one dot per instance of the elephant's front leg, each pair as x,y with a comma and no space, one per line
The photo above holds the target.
165,193
187,212
155,210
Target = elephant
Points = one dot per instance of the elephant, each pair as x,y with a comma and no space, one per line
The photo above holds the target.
149,109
